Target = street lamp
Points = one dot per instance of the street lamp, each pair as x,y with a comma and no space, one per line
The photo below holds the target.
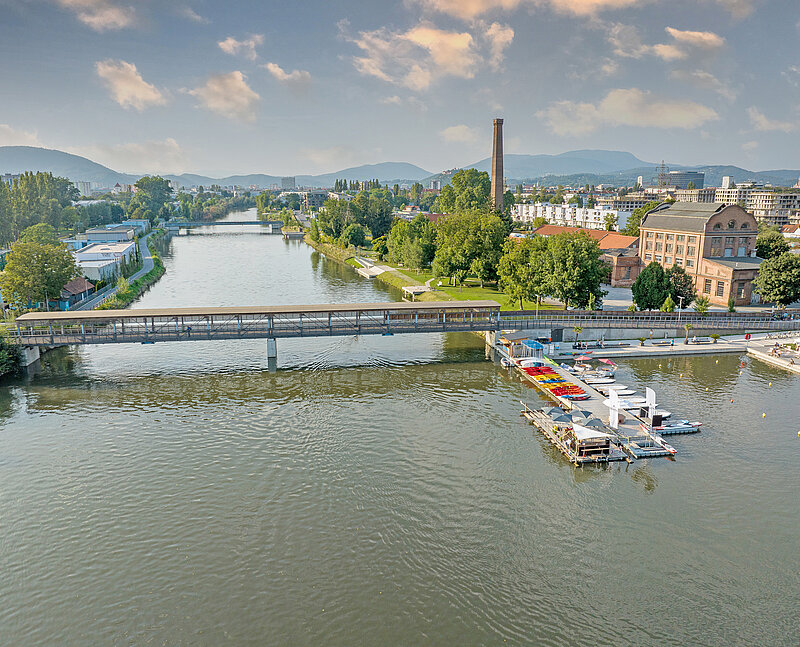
680,307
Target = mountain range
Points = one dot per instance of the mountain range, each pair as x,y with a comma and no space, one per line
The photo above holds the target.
572,167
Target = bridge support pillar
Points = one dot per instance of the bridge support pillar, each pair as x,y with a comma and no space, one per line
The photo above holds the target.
28,355
272,354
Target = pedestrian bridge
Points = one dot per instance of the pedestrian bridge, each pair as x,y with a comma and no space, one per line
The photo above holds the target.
326,320
191,224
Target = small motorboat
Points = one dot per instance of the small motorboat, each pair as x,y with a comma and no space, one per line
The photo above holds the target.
599,380
505,362
677,426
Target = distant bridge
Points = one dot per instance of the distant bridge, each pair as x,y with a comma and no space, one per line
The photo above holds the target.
190,224
273,322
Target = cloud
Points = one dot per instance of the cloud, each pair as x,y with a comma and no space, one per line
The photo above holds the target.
749,146
459,134
625,107
705,81
701,39
499,37
410,101
470,9
764,124
228,95
327,157
12,137
165,156
296,79
627,42
738,8
246,48
127,86
792,74
190,14
100,15
417,57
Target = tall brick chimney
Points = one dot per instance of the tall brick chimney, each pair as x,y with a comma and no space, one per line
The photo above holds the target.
497,166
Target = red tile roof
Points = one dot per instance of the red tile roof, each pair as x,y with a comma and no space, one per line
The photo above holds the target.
78,286
605,239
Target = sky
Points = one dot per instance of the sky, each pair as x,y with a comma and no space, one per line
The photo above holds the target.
313,86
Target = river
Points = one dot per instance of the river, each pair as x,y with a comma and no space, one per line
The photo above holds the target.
376,491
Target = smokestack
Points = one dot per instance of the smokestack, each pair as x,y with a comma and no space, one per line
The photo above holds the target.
497,166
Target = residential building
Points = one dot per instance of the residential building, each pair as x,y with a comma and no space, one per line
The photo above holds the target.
288,183
774,208
74,292
681,179
84,188
713,242
8,178
628,203
142,226
791,231
569,215
106,251
104,270
314,198
707,194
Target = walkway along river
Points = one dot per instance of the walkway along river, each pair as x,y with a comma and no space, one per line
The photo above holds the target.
375,491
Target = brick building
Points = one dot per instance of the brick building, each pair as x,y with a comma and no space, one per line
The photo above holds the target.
714,243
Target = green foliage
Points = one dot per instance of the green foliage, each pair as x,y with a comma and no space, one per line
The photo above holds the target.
152,193
412,244
353,235
771,243
33,198
468,189
380,247
523,270
371,211
9,356
610,221
35,272
42,233
631,307
732,304
668,305
681,285
576,269
778,280
470,242
631,228
701,305
651,287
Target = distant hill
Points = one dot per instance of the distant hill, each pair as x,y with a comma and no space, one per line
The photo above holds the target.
15,159
582,161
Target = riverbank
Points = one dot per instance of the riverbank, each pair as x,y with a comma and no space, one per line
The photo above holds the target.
152,270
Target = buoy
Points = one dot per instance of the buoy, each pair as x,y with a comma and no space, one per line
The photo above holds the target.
659,366
717,362
706,388
763,415
681,374
798,433
770,383
731,400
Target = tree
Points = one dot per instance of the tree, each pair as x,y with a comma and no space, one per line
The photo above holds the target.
578,330
353,235
687,327
668,305
470,242
42,233
610,220
651,287
380,248
691,185
681,286
771,243
523,270
631,228
152,193
778,280
35,272
701,305
576,269
468,189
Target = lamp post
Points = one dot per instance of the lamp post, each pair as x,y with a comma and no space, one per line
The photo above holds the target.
680,307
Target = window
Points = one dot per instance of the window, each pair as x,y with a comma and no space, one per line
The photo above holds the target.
720,288
692,239
690,251
659,246
718,226
678,261
668,260
670,237
707,286
679,250
742,251
669,247
649,234
729,240
728,252
731,224
680,238
648,257
745,226
628,272
689,262
659,236
740,290
648,244
658,258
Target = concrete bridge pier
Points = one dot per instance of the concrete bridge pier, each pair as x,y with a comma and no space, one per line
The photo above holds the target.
28,355
272,354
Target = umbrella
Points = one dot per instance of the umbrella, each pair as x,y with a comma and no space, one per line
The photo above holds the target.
554,411
583,413
607,361
583,358
594,422
564,417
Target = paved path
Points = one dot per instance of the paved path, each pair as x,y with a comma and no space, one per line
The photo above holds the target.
147,265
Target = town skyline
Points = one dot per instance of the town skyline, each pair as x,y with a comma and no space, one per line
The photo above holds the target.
263,88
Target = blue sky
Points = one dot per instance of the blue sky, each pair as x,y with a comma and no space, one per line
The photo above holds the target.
310,86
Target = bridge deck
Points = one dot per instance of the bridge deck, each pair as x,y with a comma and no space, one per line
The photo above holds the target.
179,324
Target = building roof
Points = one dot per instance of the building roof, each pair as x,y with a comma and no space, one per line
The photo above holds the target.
682,216
105,248
83,264
738,262
790,229
605,239
78,286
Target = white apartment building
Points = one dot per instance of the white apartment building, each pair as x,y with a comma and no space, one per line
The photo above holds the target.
627,203
708,194
774,208
568,215
733,195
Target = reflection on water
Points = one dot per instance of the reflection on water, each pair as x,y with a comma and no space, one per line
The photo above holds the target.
380,490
